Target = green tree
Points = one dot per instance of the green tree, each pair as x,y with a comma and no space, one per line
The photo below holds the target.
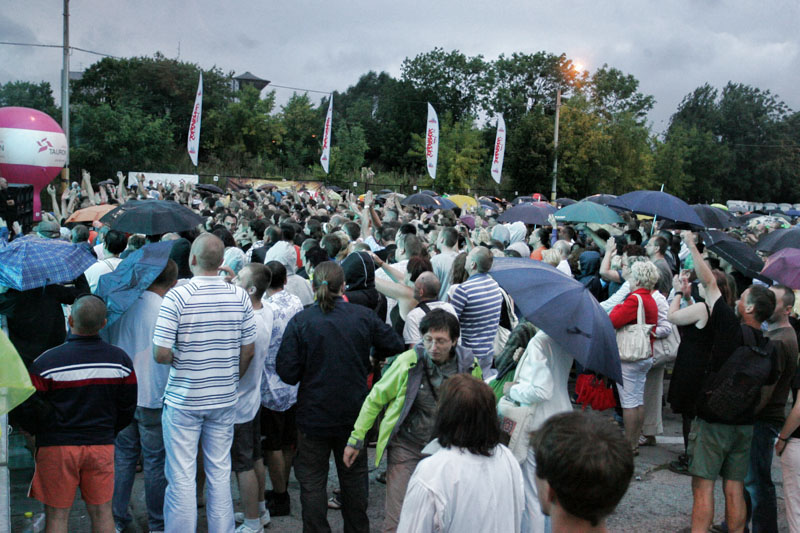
613,92
519,83
450,81
461,153
349,147
26,94
106,140
302,133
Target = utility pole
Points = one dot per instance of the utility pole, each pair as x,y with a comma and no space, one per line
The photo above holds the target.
65,89
555,148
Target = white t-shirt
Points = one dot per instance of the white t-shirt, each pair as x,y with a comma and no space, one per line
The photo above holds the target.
250,384
411,333
133,332
104,266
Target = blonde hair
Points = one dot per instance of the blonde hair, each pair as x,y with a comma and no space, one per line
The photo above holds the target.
551,257
645,274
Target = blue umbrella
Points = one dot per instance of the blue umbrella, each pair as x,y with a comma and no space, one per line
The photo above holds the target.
658,204
603,199
120,289
588,212
529,213
445,203
30,262
422,200
564,308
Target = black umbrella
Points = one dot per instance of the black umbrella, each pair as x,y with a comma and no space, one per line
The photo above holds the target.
152,217
334,188
741,257
599,198
208,188
563,202
385,191
714,236
714,217
428,192
659,204
421,200
778,240
529,213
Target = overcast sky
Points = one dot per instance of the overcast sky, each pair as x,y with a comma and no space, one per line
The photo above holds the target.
671,46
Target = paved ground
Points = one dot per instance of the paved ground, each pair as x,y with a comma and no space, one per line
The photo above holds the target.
657,500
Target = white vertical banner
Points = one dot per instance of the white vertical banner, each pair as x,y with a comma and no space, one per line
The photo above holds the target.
499,149
432,141
326,137
193,142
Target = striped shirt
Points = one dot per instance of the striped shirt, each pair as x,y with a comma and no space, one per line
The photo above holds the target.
205,322
478,303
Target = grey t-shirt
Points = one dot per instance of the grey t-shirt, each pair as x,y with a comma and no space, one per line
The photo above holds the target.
417,428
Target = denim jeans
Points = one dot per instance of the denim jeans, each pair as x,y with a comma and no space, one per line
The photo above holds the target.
758,483
311,467
142,435
183,430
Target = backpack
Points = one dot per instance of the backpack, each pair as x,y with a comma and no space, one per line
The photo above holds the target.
732,394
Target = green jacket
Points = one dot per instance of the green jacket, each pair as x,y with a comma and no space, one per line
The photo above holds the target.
396,390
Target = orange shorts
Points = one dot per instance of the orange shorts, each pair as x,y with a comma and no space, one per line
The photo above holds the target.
62,469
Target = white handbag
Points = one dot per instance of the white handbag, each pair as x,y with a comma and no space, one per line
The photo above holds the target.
633,340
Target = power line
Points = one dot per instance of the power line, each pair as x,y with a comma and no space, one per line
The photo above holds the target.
299,89
59,46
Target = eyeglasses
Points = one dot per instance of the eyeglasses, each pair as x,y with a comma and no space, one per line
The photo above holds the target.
438,342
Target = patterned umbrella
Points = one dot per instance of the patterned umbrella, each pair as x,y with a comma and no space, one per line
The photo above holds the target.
30,262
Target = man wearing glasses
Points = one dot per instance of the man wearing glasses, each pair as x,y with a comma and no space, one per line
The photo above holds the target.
409,390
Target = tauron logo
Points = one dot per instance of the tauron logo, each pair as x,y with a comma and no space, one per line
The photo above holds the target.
44,144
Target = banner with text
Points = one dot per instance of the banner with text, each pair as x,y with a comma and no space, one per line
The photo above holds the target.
499,149
193,142
326,138
432,141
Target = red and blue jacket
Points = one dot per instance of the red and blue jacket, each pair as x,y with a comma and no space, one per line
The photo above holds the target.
85,393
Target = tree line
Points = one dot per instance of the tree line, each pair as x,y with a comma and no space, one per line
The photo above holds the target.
737,142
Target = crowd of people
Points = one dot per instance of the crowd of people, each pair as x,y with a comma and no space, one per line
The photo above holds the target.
293,325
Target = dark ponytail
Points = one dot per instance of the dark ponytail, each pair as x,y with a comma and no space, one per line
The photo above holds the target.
328,281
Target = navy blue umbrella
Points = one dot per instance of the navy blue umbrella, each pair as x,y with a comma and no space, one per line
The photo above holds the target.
121,288
422,200
779,239
602,199
564,308
529,213
659,204
445,203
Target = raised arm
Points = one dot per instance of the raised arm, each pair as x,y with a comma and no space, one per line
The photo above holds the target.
87,183
605,266
702,270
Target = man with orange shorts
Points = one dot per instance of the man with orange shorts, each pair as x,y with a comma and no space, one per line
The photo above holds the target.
85,395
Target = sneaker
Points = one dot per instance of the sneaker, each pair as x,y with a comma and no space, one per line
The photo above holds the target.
280,505
265,517
244,529
381,477
647,440
681,466
335,503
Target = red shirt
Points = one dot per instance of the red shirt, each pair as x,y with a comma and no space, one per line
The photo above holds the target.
625,313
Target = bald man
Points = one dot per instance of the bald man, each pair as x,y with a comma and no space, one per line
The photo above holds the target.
478,303
206,331
426,291
92,387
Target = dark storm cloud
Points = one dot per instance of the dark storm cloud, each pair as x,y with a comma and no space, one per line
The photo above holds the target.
670,47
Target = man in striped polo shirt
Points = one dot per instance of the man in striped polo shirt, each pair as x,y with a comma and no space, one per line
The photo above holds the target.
478,303
206,332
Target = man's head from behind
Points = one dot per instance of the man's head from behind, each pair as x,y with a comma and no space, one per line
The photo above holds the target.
479,260
583,466
88,315
206,254
426,287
